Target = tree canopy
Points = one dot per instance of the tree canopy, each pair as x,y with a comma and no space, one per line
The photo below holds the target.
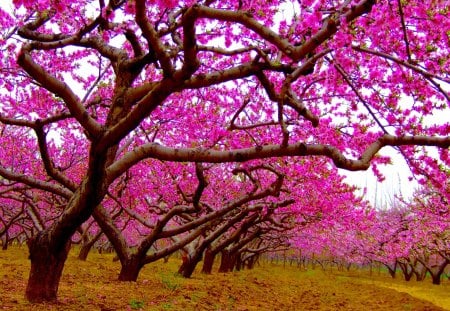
163,117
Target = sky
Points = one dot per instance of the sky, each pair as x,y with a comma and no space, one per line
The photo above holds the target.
382,194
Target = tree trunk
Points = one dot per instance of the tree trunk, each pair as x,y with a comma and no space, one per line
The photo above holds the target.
130,269
252,261
228,261
5,241
188,267
437,271
420,274
407,269
392,272
47,263
84,250
86,246
208,262
225,261
238,263
436,278
190,262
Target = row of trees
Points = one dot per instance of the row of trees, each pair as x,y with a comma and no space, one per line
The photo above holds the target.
412,237
203,125
193,213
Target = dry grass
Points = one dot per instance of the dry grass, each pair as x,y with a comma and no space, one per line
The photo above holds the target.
92,285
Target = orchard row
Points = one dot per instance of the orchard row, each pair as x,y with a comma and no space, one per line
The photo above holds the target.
209,127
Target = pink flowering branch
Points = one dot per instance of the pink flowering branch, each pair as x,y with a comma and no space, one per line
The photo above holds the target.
426,74
60,89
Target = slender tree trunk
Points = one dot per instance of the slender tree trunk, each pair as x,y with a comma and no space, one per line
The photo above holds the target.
437,272
225,261
252,261
47,263
391,272
420,275
238,263
5,241
188,266
407,270
84,251
208,262
228,261
191,261
86,247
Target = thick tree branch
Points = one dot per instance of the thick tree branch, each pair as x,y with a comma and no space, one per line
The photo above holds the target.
48,163
106,223
60,89
35,183
154,150
191,62
202,184
152,38
176,246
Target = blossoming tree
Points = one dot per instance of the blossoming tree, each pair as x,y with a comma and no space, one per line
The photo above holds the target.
93,88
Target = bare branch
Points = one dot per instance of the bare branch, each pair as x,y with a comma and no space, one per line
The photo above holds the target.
405,34
152,38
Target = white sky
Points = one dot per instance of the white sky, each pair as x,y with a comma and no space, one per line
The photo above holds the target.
396,182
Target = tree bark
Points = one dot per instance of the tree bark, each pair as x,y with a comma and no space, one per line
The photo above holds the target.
5,241
47,263
437,271
86,246
420,273
188,267
392,270
84,251
436,278
239,264
130,269
224,260
208,262
251,261
227,261
407,270
190,261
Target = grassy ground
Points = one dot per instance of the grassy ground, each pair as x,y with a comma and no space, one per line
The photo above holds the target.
92,285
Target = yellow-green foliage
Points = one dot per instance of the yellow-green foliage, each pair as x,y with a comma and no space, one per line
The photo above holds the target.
92,285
